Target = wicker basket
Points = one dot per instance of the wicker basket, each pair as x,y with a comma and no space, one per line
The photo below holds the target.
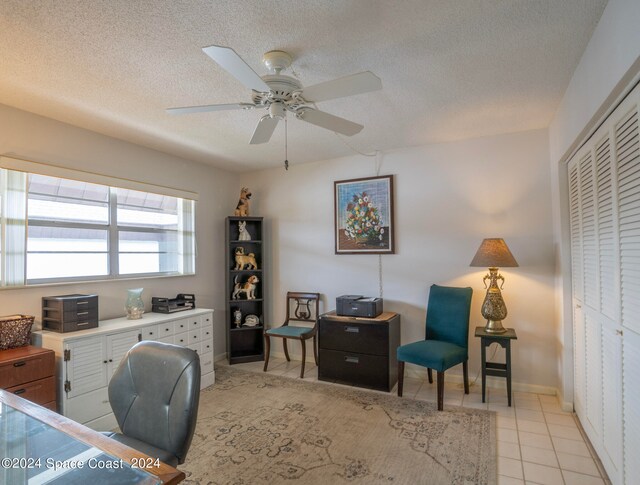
15,331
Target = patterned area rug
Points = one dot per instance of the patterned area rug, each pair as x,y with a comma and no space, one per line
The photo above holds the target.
261,429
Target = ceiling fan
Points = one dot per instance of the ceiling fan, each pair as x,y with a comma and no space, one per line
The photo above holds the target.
279,93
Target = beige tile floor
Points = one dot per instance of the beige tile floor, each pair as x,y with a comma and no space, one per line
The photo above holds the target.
538,443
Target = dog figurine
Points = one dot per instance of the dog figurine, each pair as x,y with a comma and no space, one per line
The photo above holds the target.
242,209
244,260
243,233
248,288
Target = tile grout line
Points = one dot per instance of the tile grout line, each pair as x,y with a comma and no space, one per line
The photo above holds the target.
553,445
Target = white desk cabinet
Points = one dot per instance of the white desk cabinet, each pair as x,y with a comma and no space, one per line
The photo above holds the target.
86,360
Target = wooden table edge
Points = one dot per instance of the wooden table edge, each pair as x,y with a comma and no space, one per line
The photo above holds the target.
166,473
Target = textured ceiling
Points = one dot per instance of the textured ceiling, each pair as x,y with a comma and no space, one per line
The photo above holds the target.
450,69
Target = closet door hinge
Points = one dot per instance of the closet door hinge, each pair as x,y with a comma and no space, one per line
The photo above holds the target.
67,355
67,386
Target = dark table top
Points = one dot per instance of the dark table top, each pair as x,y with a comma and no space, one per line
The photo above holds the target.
509,334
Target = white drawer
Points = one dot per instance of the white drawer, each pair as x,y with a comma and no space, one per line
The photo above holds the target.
181,339
88,406
207,346
206,362
207,333
207,319
195,322
197,347
194,336
150,332
167,340
181,325
165,329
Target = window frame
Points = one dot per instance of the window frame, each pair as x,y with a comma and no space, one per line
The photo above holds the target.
113,233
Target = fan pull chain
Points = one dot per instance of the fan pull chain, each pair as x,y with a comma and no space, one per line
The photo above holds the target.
286,147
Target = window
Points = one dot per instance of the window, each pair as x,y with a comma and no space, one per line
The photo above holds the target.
82,231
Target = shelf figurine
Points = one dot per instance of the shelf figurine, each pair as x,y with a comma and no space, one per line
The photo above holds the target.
243,260
237,318
243,232
248,288
242,209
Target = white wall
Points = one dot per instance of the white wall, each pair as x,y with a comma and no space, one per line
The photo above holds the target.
448,197
609,65
25,135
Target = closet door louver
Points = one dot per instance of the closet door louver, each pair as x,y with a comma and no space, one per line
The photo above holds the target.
607,237
576,239
589,243
628,171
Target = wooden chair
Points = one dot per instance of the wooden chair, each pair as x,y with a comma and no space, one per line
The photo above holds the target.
446,340
301,304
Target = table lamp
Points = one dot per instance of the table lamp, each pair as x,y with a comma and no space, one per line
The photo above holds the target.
491,254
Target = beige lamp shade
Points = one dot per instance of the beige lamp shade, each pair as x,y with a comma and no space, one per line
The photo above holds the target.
494,253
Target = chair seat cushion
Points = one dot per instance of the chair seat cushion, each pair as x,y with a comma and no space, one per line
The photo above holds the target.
145,448
432,354
290,331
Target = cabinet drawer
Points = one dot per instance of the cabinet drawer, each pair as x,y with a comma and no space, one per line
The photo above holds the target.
195,322
40,392
181,339
364,338
28,369
207,319
197,347
89,406
207,346
150,332
194,336
206,362
165,329
167,340
349,367
181,325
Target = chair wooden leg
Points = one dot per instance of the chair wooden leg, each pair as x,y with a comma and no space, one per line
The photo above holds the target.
440,378
267,351
304,358
315,349
465,373
286,350
400,377
430,374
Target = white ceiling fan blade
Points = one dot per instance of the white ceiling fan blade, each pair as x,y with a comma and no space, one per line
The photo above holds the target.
264,130
330,122
363,82
208,107
235,65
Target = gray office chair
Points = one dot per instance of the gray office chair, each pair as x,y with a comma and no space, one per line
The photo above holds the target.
154,395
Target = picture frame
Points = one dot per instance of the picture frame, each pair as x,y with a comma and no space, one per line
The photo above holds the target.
363,215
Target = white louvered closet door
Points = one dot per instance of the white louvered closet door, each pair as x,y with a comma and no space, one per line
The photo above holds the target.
604,213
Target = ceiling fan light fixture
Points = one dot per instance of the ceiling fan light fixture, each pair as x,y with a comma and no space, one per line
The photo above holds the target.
276,110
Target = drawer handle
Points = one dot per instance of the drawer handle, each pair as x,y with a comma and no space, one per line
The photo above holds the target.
82,313
19,364
82,324
20,391
352,360
83,303
352,329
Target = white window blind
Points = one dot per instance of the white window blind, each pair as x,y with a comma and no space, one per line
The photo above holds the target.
56,229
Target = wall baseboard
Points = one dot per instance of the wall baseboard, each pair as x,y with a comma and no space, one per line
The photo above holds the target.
420,373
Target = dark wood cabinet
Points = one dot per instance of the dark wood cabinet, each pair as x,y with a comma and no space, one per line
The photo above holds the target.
245,342
359,351
29,372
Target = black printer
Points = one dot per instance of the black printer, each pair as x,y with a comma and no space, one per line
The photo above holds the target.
358,306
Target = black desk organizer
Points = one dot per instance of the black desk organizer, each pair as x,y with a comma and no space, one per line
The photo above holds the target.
182,302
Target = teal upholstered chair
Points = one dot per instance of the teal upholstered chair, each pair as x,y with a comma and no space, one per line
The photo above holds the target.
305,308
446,341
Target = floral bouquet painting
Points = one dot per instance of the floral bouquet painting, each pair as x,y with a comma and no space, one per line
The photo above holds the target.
363,215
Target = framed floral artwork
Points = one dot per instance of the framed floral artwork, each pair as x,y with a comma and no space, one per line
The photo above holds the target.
364,215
